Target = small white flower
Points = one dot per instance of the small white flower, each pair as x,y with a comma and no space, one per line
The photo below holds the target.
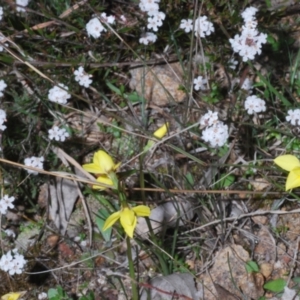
216,135
8,201
209,119
123,18
249,13
94,28
82,77
247,84
186,25
23,3
150,8
107,19
63,134
10,232
16,262
1,12
59,94
232,63
54,133
58,134
293,116
2,119
153,23
3,207
36,162
42,296
5,44
203,27
253,104
200,83
147,38
3,86
6,261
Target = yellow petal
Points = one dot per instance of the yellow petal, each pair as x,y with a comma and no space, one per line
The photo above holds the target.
287,162
293,179
128,221
104,161
13,296
93,168
142,210
103,179
117,166
161,132
111,220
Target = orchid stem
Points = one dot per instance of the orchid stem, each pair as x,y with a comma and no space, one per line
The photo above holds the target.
135,294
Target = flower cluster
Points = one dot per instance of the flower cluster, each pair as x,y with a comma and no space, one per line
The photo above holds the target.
293,116
3,86
253,104
12,262
58,134
94,27
291,164
200,83
22,3
59,94
104,167
82,77
155,19
250,41
202,26
2,119
216,132
36,162
6,203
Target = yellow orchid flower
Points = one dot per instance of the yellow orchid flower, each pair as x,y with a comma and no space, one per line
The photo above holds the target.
102,164
291,164
161,131
13,296
103,179
128,218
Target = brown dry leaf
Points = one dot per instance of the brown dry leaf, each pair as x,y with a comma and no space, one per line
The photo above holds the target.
260,184
159,84
174,286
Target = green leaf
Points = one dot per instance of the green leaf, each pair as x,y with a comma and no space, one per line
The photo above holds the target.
53,294
100,220
114,88
251,266
276,285
296,280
